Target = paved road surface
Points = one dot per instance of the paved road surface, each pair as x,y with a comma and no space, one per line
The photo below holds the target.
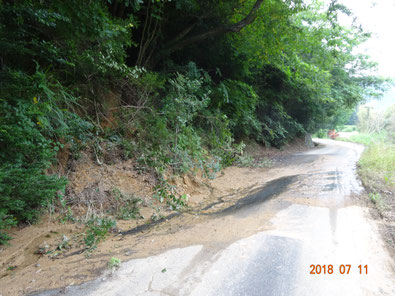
316,221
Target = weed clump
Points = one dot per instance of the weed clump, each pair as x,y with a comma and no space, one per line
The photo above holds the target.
97,230
114,263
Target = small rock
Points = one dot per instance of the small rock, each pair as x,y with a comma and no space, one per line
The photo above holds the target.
33,280
308,142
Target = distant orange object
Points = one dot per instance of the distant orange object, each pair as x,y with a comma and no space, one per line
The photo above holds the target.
332,134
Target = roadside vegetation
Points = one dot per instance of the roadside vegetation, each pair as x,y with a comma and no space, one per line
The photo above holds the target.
176,86
376,166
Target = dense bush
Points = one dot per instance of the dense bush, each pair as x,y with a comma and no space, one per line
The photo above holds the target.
38,113
238,101
177,130
33,121
278,127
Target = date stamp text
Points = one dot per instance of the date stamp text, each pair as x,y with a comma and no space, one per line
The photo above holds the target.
341,269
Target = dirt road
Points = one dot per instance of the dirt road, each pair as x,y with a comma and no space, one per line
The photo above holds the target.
308,212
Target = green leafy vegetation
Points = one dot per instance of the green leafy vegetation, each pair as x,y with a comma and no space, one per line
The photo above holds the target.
175,85
378,201
348,128
126,207
376,133
114,263
97,229
166,192
247,160
377,163
368,139
321,133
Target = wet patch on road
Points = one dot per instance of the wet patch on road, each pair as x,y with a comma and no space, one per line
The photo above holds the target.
265,193
270,190
330,187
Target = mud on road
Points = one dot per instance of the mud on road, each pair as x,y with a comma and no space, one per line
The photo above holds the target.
273,223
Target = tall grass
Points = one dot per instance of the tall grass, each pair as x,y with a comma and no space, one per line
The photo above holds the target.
377,163
377,166
369,139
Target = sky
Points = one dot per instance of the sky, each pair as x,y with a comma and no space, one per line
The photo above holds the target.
377,17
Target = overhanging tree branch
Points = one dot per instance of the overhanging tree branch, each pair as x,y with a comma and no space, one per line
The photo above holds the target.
232,28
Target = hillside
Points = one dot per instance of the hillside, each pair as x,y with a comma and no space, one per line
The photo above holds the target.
164,89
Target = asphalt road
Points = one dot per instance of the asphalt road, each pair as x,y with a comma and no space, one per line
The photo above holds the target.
316,221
